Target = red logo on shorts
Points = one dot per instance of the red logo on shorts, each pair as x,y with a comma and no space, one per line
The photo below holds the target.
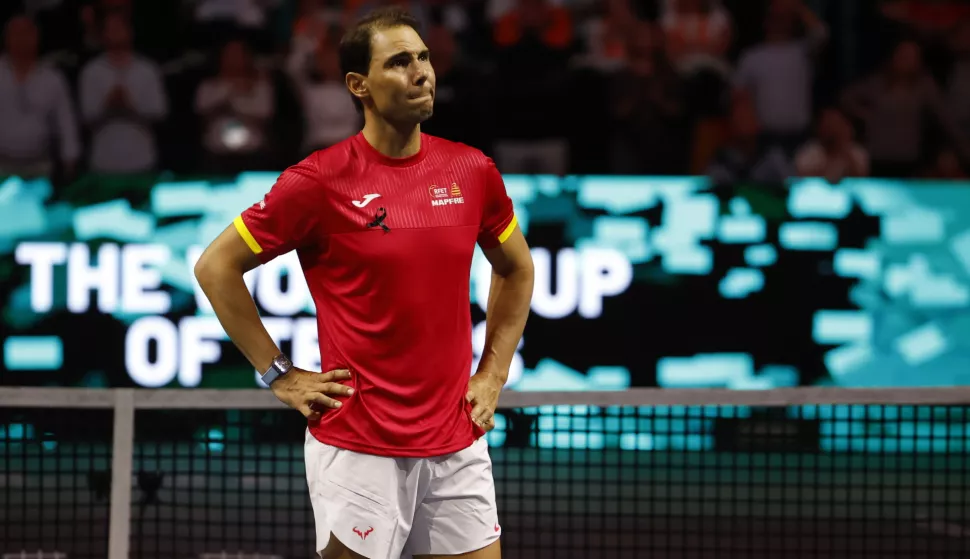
363,535
497,528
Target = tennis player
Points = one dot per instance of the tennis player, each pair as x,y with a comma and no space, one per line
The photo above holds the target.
385,225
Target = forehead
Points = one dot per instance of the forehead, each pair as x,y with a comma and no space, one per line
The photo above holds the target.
115,22
385,43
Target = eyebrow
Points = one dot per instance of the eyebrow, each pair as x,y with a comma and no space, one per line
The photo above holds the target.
404,54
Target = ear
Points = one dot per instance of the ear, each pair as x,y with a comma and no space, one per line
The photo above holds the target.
357,85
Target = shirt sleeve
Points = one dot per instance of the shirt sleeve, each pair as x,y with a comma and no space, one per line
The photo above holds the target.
287,218
498,216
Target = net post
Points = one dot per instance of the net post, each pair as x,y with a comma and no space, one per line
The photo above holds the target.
122,454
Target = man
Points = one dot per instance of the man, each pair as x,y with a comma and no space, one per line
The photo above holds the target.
834,154
748,157
778,73
385,225
122,98
35,109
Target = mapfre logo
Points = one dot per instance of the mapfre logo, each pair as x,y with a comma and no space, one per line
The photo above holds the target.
445,196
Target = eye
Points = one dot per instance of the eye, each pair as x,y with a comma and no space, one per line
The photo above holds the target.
424,57
401,62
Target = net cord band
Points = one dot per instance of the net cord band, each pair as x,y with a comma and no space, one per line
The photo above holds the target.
17,397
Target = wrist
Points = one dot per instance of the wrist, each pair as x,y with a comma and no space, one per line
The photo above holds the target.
493,375
280,366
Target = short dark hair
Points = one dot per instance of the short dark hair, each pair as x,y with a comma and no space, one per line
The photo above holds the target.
355,51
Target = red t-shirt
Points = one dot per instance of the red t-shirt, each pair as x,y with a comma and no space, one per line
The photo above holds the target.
392,306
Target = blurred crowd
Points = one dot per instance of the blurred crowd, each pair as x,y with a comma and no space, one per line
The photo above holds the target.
743,90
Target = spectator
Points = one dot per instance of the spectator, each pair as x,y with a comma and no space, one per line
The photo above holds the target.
535,21
892,106
315,26
56,20
157,26
122,98
778,73
927,17
747,157
355,9
646,110
327,106
35,109
92,14
606,36
946,167
237,105
833,154
533,42
698,34
958,93
218,21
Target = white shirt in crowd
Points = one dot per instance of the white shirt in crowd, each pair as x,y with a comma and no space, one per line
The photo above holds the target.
327,107
123,141
812,160
779,77
245,13
237,119
329,112
36,113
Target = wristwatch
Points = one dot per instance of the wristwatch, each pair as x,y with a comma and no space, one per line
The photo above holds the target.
281,365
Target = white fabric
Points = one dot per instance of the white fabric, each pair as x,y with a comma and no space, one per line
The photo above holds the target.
238,125
813,161
330,113
36,113
246,13
123,143
387,508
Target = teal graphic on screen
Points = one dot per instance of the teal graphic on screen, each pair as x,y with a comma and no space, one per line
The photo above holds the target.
640,281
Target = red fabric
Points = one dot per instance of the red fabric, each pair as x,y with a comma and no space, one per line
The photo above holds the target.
942,14
393,307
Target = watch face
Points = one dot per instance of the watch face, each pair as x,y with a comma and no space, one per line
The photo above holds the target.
282,364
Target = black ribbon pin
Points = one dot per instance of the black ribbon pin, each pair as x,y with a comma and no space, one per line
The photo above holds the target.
379,218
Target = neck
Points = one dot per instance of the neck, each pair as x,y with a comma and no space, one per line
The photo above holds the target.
22,65
119,57
390,140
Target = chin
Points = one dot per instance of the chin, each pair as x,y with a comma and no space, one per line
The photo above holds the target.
425,114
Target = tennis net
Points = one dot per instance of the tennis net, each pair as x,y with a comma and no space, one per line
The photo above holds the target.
805,472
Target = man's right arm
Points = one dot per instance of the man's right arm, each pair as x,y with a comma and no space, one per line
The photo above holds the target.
220,272
286,219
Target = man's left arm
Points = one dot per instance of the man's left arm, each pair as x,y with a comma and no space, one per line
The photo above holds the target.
509,299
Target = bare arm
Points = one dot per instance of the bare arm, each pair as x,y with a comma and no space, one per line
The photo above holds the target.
509,299
220,272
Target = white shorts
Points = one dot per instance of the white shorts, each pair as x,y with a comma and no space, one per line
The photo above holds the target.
386,508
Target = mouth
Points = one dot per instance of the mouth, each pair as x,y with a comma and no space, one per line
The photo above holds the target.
425,96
